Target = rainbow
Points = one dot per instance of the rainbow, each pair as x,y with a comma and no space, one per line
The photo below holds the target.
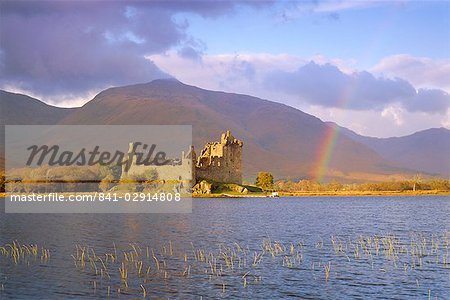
329,138
325,152
331,134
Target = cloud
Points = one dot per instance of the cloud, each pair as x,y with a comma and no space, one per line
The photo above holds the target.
330,9
420,71
240,73
393,120
394,113
445,122
237,73
248,73
428,100
55,48
327,86
341,5
297,81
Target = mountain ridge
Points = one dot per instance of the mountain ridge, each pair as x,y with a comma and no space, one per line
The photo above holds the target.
433,143
277,137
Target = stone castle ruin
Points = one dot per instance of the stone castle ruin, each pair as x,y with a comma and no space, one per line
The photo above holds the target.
218,162
221,161
175,169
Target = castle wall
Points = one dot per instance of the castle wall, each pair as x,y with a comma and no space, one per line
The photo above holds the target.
183,171
221,161
218,161
166,172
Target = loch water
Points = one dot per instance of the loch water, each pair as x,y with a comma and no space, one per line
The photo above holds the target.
247,248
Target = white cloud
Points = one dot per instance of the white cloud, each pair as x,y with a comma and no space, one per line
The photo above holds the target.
328,86
68,100
420,71
395,113
327,81
246,73
240,73
345,66
446,120
237,73
330,8
336,6
71,100
395,122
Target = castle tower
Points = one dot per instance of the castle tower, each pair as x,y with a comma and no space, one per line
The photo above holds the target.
221,161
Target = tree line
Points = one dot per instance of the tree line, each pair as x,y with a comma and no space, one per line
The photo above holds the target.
46,179
414,184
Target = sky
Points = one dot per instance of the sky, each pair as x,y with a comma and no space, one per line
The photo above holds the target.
380,68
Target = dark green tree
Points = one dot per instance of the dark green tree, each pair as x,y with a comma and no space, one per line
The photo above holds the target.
264,181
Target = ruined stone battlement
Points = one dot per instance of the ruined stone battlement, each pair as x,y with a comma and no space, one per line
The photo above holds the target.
221,161
218,161
174,169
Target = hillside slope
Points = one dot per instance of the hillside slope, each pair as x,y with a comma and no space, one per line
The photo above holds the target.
277,138
18,109
426,151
